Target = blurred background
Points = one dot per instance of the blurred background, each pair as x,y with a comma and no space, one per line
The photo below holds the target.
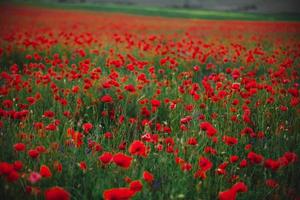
256,6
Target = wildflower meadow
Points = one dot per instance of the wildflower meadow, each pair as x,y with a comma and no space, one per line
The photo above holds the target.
113,106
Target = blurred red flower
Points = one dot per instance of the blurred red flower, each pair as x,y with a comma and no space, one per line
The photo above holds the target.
231,193
148,177
87,127
106,158
122,160
106,99
255,158
136,186
118,194
138,148
204,163
19,147
5,168
45,171
57,193
208,127
33,153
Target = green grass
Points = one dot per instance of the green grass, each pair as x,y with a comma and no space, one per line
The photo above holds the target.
168,12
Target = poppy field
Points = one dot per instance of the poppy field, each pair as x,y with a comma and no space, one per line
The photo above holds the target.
97,105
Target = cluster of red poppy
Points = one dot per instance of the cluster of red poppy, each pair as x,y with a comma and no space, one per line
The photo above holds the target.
115,106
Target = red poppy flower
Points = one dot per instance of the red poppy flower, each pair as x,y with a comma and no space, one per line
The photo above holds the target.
106,99
186,166
272,164
33,153
291,157
138,148
19,147
41,149
200,174
227,195
130,88
148,177
51,127
243,163
222,168
240,187
75,89
122,160
210,150
136,186
45,171
118,193
122,145
13,176
6,168
255,158
57,193
108,135
204,163
233,158
49,114
87,127
18,165
210,130
230,141
38,125
83,166
106,158
155,103
231,193
192,141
